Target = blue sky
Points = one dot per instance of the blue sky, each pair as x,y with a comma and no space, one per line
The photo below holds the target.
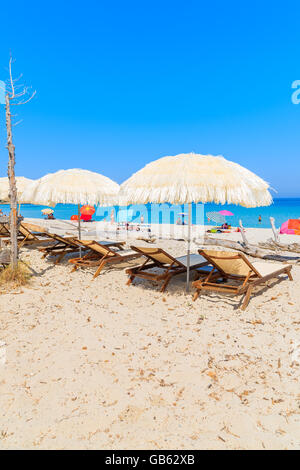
122,83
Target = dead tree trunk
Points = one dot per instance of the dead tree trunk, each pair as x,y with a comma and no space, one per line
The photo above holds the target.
13,97
12,187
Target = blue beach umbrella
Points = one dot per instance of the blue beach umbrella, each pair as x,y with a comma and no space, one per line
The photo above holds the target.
216,217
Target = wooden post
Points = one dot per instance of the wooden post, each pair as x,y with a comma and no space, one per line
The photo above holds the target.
276,237
245,241
12,187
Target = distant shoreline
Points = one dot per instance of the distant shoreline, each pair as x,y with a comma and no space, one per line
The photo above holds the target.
282,209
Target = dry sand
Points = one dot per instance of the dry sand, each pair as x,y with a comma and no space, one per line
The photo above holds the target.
94,364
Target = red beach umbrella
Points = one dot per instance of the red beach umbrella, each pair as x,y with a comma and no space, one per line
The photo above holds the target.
87,210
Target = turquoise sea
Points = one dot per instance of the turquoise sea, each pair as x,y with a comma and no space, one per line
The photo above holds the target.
281,210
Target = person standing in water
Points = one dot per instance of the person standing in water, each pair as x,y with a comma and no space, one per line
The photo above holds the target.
259,219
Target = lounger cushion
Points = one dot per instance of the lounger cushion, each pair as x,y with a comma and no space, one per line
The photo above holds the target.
95,246
194,260
237,267
156,254
265,269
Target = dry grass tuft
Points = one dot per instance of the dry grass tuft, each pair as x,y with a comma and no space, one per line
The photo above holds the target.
14,277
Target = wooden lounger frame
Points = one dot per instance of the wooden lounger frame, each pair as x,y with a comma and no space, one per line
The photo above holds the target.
28,234
99,255
32,235
4,231
61,247
158,258
246,282
69,245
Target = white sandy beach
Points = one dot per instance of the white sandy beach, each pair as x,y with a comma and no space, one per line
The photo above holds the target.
94,364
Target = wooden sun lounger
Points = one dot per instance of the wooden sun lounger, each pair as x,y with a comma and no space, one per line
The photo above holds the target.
67,245
28,234
100,254
235,266
169,266
4,231
61,247
33,235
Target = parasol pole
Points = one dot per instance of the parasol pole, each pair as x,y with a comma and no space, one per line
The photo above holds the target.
79,228
188,251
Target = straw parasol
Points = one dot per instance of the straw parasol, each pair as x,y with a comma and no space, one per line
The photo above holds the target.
187,178
72,186
21,183
47,211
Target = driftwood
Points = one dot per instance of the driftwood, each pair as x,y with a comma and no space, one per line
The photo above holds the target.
147,240
275,233
242,232
264,250
277,246
250,249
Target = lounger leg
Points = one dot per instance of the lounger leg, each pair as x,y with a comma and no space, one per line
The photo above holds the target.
130,280
75,267
102,264
60,257
247,298
196,294
289,274
164,286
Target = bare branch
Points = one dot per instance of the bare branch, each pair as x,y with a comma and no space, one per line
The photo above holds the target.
18,78
11,79
17,87
22,93
18,122
26,101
